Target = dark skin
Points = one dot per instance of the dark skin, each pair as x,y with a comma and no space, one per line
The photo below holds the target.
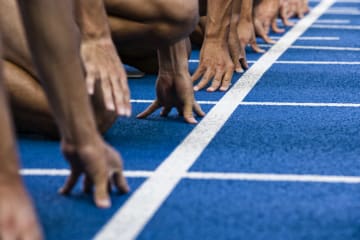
265,12
216,64
173,85
99,57
160,25
65,89
17,215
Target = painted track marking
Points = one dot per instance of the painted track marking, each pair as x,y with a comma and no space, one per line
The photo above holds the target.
129,221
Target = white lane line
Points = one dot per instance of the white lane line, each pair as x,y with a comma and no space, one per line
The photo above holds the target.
129,221
318,47
337,21
318,62
340,27
150,101
293,104
339,1
298,62
66,172
343,12
312,38
300,104
267,177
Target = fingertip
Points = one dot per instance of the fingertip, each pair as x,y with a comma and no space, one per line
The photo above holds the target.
140,116
239,70
210,89
103,203
191,120
63,191
196,88
110,106
224,89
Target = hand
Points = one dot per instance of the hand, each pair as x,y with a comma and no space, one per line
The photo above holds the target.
284,13
215,63
17,216
175,90
246,34
298,8
102,63
265,13
102,167
237,51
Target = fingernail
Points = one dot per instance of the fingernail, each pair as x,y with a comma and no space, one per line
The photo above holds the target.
239,70
104,203
196,88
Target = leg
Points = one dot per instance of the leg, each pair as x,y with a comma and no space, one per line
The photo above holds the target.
17,217
160,22
28,101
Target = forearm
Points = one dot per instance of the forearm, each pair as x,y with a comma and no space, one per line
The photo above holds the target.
55,51
8,156
235,15
218,20
246,12
92,19
173,58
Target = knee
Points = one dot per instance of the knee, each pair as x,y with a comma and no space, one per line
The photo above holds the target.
181,17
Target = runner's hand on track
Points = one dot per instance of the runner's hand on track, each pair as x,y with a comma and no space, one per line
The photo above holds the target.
102,167
175,90
102,64
216,65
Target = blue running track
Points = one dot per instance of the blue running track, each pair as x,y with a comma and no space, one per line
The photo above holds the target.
285,164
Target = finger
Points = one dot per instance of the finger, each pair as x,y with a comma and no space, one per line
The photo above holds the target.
165,111
256,48
101,197
205,80
261,32
286,22
152,108
197,109
126,92
216,81
266,26
117,95
107,91
70,183
244,63
267,39
226,81
198,73
275,27
90,82
188,113
87,185
120,182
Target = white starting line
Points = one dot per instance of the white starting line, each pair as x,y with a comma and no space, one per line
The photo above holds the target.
227,176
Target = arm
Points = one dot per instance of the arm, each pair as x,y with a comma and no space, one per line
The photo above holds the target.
245,27
265,11
215,61
15,206
174,86
55,51
100,58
